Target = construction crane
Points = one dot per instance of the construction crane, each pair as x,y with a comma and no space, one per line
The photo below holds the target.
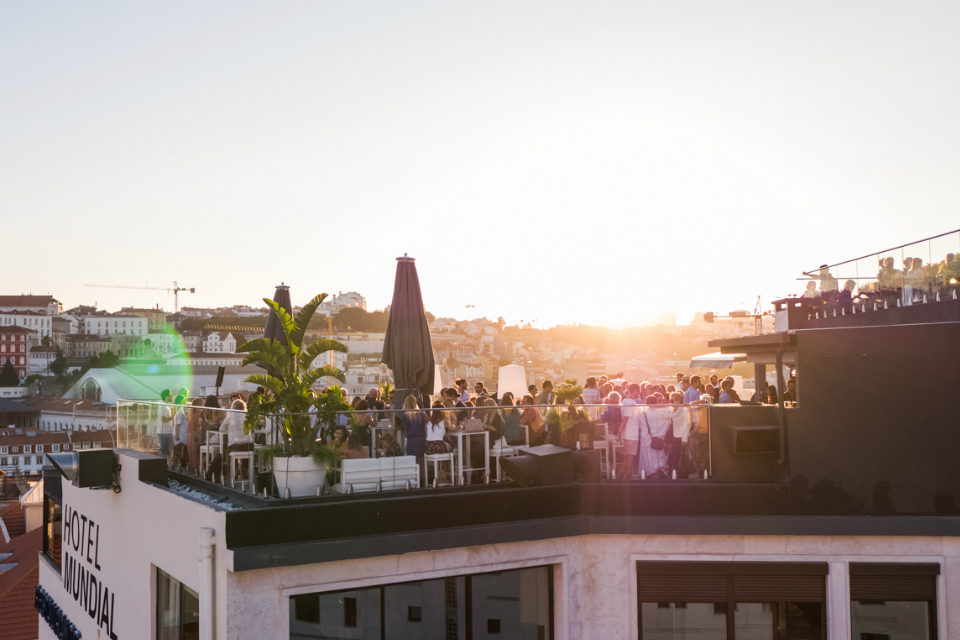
175,289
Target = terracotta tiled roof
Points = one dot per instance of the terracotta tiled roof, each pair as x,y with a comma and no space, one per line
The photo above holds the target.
18,586
14,519
43,349
17,312
26,301
15,328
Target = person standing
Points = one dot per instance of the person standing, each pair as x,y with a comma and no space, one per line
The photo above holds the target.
693,393
629,431
195,433
653,426
546,396
165,425
462,387
181,427
728,395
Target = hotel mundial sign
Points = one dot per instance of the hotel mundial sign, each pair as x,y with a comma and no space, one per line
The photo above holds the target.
82,577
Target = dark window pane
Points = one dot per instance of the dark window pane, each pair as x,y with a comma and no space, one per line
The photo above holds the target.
426,610
190,617
350,612
493,626
347,614
52,530
306,607
692,621
890,620
796,620
519,600
168,607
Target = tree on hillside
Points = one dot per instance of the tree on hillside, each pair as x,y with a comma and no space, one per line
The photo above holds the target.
108,359
8,376
59,365
357,319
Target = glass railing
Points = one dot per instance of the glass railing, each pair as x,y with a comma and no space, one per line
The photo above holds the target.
925,270
389,449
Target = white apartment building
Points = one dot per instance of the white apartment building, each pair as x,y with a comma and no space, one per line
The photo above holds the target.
220,342
116,324
44,305
332,305
40,359
32,320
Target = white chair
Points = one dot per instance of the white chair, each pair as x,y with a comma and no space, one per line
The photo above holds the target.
436,459
208,451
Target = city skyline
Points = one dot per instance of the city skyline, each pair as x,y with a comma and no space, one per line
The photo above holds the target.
603,165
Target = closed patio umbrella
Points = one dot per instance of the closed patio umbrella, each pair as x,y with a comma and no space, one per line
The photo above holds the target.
274,329
407,348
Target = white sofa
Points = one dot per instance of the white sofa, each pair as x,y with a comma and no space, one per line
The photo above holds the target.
391,473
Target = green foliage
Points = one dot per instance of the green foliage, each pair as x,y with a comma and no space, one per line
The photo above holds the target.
8,376
289,380
568,391
32,378
108,360
385,389
59,365
357,319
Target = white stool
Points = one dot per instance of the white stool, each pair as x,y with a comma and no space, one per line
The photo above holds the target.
208,451
603,447
501,452
617,448
436,459
236,457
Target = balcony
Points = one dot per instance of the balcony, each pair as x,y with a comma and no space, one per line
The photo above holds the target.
912,283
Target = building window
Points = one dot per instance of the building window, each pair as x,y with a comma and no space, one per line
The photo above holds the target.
893,600
3,462
56,448
52,528
518,604
731,600
3,450
178,609
39,448
26,448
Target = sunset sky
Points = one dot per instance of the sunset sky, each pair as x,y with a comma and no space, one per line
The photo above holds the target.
594,162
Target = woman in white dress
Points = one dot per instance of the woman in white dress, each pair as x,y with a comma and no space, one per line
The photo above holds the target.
654,423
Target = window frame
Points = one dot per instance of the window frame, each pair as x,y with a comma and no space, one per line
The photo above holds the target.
730,571
900,573
468,604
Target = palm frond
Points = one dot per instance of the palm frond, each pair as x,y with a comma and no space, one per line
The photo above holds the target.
327,371
286,322
303,319
308,355
275,385
261,344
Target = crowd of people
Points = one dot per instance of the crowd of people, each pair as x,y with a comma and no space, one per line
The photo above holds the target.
892,286
655,429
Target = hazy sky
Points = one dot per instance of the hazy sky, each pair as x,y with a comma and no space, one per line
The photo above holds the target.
589,162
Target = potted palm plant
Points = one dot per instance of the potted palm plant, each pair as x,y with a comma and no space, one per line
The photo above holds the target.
300,461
